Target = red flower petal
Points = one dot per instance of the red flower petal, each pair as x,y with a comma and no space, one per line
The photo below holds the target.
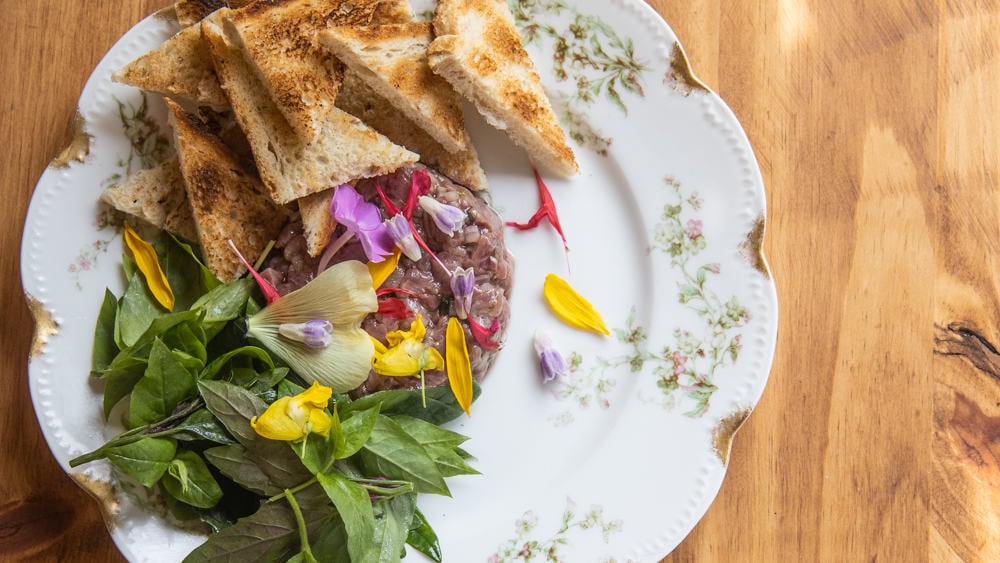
266,288
547,210
420,184
483,335
394,308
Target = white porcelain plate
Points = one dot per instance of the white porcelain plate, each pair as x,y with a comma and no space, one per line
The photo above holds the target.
664,224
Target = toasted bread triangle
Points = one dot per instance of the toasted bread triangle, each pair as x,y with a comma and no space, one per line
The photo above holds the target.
479,51
157,196
344,148
227,203
179,67
190,12
359,100
392,60
277,37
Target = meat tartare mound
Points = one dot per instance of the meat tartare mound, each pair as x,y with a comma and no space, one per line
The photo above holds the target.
477,245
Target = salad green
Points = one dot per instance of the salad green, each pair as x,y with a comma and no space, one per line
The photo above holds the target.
187,383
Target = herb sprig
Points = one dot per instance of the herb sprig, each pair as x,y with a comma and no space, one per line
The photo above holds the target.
190,381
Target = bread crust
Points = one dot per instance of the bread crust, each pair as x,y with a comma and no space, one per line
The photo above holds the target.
392,60
479,51
227,203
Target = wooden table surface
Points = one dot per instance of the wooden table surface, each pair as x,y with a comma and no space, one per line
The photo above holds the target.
876,126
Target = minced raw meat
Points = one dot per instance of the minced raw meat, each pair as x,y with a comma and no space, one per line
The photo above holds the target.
479,245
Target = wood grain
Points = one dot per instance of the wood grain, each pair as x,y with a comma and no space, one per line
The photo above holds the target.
875,124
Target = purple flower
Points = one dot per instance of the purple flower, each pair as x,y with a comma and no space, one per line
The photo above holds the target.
448,218
552,363
363,220
317,333
463,283
402,234
693,229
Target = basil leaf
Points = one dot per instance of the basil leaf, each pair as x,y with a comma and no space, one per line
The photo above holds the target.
136,311
440,445
165,384
120,383
188,480
331,543
202,425
105,347
270,534
392,526
441,404
189,338
232,462
394,454
145,460
278,462
182,270
423,538
139,350
234,406
208,279
355,508
356,431
223,304
259,354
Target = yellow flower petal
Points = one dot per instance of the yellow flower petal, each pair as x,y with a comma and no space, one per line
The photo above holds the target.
380,271
571,307
275,424
459,365
406,355
290,418
149,265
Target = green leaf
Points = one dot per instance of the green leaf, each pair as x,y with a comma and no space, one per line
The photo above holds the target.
223,304
145,460
165,384
136,310
259,354
189,480
202,425
208,279
394,454
234,406
105,347
120,383
423,538
183,271
441,404
136,353
392,526
355,509
440,445
316,452
189,338
232,462
357,429
270,534
331,543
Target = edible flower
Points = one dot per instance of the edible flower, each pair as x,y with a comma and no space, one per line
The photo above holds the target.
270,293
547,210
317,333
551,361
380,271
402,234
463,283
484,335
571,307
420,185
459,365
149,264
360,219
406,354
343,296
290,419
447,218
394,308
